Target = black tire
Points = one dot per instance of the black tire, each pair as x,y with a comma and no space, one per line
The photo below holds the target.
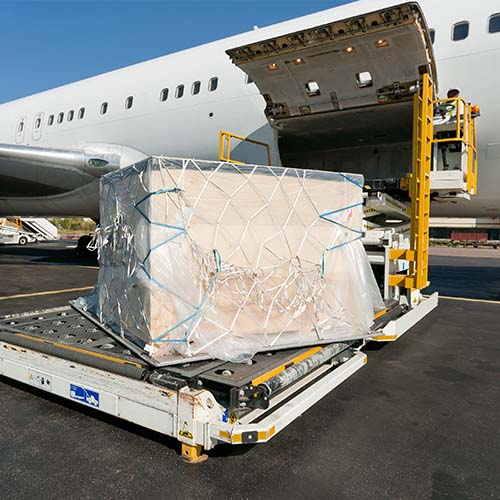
81,247
23,240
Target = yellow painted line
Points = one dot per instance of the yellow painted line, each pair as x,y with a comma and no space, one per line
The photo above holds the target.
49,292
284,366
78,349
464,299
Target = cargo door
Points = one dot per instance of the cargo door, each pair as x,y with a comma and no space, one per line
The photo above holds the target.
344,82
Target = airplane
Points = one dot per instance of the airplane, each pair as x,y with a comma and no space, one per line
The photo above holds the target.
318,107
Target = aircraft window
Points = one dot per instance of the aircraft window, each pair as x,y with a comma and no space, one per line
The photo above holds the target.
312,88
163,95
364,79
212,84
433,35
195,89
104,108
494,24
81,113
50,121
71,115
60,117
38,122
248,79
129,102
20,127
460,31
179,91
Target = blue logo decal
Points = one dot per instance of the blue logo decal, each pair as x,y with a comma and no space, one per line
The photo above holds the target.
83,395
225,417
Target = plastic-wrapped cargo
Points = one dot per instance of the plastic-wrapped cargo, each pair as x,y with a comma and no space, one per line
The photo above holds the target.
225,260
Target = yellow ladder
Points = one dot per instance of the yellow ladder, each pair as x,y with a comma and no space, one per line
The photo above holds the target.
420,193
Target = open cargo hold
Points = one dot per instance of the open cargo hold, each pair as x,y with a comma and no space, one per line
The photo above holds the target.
224,260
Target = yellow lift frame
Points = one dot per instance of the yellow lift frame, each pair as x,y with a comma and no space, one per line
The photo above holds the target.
420,192
419,179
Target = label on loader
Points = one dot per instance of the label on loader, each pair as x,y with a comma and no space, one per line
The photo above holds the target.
83,395
39,379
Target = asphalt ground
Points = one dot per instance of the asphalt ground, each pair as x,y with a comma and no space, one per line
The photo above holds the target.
419,421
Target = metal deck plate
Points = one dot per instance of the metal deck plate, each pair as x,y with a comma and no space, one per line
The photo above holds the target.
65,333
235,374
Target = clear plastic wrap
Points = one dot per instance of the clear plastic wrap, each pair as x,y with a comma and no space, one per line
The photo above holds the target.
225,260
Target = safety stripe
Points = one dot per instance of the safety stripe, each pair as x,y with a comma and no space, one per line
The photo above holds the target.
284,366
78,349
379,314
238,438
385,338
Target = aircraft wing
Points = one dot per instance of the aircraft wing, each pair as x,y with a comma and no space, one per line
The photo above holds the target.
57,181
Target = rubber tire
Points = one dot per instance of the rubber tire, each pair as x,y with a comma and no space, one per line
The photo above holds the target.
81,247
22,240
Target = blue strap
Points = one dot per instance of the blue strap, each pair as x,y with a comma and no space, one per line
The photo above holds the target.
191,318
352,181
341,245
326,215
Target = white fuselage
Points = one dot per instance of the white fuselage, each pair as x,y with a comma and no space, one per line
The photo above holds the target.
189,126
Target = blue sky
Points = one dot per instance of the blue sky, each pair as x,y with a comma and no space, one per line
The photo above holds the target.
44,44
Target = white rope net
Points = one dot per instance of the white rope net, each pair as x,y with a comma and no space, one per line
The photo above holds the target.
227,260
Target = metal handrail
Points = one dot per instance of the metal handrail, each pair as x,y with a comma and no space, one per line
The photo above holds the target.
465,132
225,145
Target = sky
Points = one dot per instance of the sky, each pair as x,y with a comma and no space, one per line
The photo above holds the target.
45,44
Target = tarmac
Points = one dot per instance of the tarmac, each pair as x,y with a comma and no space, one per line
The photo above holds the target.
419,421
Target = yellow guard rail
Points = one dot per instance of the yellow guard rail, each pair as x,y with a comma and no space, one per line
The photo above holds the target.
225,146
465,132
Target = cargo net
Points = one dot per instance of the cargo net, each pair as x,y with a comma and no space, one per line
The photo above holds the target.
221,260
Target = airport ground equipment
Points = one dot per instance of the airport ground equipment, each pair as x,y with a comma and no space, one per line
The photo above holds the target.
397,211
12,234
42,228
200,404
20,231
